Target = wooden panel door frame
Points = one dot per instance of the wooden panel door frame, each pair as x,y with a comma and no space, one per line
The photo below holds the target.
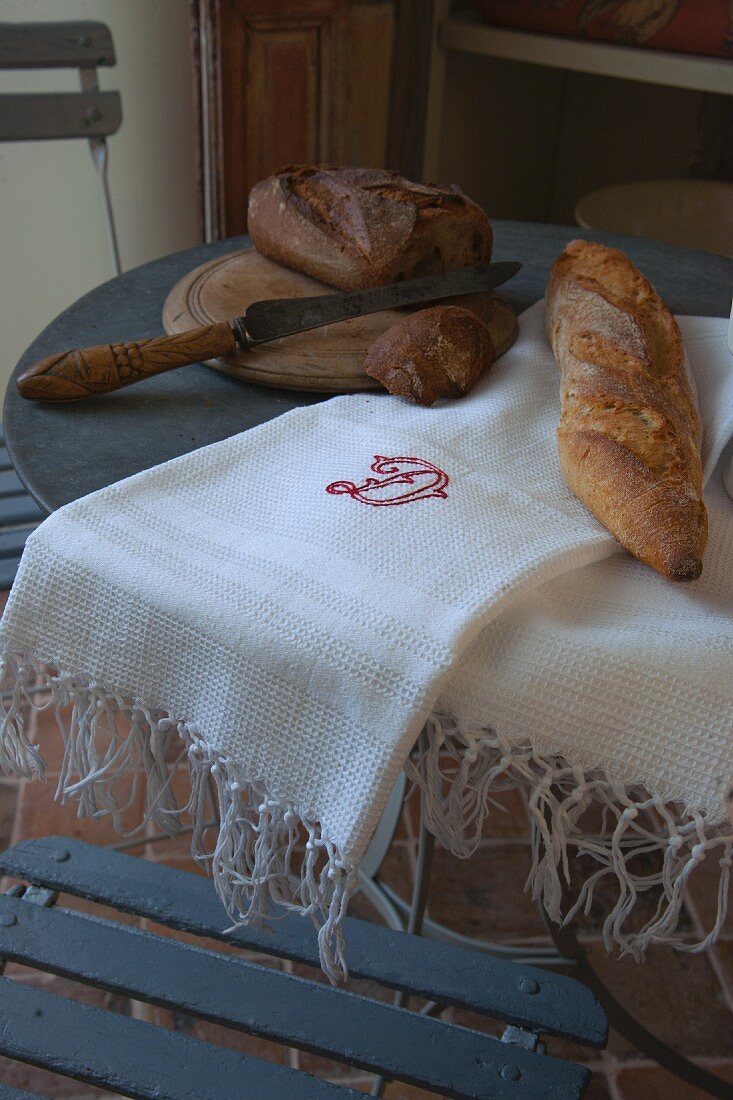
222,163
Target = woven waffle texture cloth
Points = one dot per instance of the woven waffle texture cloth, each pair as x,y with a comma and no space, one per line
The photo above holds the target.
299,600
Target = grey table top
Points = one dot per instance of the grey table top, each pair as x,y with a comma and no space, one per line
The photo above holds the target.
62,452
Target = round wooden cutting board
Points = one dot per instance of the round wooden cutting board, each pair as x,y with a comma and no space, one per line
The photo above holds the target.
327,359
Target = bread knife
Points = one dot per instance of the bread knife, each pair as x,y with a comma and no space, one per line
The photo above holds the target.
90,372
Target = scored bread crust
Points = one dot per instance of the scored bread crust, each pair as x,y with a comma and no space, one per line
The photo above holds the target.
436,352
359,227
630,432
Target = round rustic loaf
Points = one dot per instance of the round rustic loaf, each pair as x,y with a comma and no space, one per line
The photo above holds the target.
358,227
437,352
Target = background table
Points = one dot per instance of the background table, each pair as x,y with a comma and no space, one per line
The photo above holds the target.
62,452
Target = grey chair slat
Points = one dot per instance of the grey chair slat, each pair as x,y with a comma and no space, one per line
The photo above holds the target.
55,45
19,511
5,463
8,571
46,116
12,542
236,993
526,996
10,483
138,1059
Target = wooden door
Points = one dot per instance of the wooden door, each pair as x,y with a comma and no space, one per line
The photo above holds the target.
304,81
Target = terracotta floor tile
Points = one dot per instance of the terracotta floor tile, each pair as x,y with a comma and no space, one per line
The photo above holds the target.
213,1033
599,1088
597,820
409,821
162,853
93,909
475,1022
42,1083
86,994
572,1052
606,892
206,944
176,848
724,952
676,996
396,870
508,816
180,785
399,1091
319,1066
9,792
703,885
44,732
654,1083
173,850
484,896
40,815
394,1091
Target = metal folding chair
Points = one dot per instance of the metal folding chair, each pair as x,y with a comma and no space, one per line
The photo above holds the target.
19,515
89,114
135,1058
42,116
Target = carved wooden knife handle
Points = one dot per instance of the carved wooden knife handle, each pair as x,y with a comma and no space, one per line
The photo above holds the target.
88,372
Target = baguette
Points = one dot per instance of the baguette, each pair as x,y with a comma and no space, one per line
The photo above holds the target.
359,227
630,432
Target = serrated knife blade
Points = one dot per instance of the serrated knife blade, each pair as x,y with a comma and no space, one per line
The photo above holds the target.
273,318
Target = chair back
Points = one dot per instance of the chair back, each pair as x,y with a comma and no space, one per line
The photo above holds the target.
88,113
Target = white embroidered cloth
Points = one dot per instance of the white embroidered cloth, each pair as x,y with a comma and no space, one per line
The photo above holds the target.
298,637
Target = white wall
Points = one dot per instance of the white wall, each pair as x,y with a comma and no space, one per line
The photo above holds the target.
53,244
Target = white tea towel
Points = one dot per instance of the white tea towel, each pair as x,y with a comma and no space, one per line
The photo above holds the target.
297,601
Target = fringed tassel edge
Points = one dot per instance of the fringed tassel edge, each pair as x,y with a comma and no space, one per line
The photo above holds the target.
459,768
268,849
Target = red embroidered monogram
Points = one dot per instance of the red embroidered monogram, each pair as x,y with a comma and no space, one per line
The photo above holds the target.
423,478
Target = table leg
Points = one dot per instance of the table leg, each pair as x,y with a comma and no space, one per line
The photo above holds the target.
566,942
625,1024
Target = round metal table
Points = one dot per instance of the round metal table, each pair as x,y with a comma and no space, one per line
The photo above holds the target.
62,452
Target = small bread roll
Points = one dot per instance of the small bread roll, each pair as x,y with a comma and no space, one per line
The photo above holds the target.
437,352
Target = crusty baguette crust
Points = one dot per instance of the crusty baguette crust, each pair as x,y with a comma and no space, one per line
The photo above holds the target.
630,432
358,227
